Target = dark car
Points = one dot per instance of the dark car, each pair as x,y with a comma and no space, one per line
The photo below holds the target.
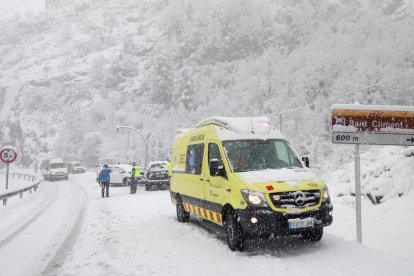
156,176
76,167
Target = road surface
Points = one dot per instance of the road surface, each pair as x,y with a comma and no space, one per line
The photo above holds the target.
66,228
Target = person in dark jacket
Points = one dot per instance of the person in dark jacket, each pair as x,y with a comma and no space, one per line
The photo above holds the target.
104,179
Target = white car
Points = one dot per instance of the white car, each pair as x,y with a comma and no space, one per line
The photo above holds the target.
121,174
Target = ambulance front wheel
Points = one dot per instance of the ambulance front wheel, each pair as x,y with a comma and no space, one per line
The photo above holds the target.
235,236
182,214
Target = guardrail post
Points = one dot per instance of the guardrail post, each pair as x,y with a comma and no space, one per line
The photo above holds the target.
35,188
5,201
21,195
30,190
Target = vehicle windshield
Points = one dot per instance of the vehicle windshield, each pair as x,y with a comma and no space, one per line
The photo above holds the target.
256,155
158,167
77,164
57,165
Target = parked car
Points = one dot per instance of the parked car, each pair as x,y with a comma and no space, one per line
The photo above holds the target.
156,176
108,160
121,174
76,167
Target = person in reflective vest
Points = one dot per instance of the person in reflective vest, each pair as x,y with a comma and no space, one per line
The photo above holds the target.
135,175
169,167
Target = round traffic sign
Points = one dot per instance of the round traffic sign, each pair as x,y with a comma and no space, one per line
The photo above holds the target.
8,155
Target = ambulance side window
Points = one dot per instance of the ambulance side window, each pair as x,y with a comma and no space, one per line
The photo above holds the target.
194,159
214,153
282,152
286,155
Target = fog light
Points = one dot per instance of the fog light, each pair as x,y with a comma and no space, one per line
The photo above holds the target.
330,213
254,220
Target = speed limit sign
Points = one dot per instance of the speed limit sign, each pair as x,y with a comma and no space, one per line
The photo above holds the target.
8,155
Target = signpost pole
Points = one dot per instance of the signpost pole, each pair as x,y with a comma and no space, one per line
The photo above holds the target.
7,176
358,194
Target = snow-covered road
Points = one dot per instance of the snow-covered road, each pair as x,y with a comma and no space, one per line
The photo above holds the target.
35,233
139,235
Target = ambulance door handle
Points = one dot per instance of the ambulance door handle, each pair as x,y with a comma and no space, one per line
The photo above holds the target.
208,180
201,179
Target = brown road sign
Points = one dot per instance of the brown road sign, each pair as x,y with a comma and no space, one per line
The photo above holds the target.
377,125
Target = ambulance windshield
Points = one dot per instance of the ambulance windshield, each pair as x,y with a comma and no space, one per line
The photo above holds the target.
256,155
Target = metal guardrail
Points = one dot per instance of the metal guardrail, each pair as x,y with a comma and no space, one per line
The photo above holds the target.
20,192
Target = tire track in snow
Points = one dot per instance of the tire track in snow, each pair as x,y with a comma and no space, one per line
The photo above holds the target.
43,207
56,262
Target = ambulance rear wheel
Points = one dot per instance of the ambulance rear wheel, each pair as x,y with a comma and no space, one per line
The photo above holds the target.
235,236
182,214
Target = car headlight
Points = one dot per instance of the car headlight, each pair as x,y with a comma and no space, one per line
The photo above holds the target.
325,194
254,198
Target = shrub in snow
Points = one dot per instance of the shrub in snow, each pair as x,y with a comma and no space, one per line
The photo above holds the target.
386,172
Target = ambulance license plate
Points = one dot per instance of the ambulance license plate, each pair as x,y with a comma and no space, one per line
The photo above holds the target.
300,223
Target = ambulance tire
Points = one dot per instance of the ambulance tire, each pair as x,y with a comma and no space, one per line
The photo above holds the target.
182,214
235,236
313,235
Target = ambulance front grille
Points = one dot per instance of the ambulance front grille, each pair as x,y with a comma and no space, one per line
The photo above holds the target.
296,199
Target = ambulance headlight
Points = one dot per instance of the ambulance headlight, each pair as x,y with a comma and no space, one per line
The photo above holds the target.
254,198
325,194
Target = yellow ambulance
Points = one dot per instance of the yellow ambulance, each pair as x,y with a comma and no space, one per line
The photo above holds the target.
242,174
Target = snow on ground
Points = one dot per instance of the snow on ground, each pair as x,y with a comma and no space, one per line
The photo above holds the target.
387,227
76,232
386,172
35,231
139,235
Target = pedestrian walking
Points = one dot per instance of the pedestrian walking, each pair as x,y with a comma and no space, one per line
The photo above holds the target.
104,179
135,175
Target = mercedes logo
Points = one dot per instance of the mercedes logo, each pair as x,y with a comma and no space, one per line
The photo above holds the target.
299,199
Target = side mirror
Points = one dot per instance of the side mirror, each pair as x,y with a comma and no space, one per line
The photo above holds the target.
306,161
216,169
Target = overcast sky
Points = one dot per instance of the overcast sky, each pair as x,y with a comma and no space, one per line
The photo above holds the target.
21,6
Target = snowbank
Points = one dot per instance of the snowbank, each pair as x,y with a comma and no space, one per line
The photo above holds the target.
386,172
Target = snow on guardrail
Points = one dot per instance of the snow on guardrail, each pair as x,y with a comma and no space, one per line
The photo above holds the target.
21,182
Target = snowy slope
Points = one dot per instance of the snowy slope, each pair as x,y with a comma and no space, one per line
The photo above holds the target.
386,172
89,66
387,175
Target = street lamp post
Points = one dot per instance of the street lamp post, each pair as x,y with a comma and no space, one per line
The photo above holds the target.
143,139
